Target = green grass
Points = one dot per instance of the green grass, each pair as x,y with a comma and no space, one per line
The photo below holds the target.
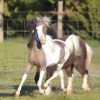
96,52
13,59
13,52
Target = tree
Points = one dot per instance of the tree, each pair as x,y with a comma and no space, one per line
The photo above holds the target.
80,15
84,18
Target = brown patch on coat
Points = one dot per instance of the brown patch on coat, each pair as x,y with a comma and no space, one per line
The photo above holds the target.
77,61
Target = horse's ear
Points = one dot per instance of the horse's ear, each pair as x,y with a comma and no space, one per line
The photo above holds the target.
46,20
38,18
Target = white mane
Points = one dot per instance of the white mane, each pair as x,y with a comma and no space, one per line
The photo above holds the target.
45,20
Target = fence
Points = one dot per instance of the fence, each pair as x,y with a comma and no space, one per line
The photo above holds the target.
14,51
17,27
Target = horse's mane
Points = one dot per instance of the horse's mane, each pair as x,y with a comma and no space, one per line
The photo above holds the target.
51,28
45,20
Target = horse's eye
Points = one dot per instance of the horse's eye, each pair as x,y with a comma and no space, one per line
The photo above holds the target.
32,31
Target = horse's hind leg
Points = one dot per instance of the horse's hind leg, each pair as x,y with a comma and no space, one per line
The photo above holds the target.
23,79
69,72
84,72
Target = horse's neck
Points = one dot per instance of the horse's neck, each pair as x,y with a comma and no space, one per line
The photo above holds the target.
50,43
34,47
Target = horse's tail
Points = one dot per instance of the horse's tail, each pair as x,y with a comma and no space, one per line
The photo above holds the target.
89,55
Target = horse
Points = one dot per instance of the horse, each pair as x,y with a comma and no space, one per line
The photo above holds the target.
80,58
44,52
80,55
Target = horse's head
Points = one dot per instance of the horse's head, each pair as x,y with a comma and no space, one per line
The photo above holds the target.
38,29
42,25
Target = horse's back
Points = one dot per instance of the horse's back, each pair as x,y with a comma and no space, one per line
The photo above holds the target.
76,45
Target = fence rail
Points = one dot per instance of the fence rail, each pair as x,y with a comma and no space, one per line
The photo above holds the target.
14,27
13,52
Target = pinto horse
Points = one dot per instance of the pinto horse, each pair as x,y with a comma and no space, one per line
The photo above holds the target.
44,52
79,58
80,54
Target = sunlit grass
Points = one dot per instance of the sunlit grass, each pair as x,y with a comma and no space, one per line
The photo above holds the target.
13,59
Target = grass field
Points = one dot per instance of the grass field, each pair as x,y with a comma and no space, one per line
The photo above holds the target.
13,59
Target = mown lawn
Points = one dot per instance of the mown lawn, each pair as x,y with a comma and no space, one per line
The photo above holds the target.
13,59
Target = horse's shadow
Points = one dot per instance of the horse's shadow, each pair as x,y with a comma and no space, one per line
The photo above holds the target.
26,90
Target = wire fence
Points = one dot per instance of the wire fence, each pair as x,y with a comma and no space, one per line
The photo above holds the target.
14,52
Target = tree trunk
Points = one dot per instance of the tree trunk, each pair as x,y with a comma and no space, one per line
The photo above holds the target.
1,21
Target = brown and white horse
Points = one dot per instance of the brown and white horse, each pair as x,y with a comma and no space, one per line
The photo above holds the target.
80,58
80,55
43,52
46,52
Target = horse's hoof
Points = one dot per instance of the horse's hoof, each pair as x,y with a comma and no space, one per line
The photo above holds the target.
64,90
47,91
69,92
44,87
87,89
42,91
17,93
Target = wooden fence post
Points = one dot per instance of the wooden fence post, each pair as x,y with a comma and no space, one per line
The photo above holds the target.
60,16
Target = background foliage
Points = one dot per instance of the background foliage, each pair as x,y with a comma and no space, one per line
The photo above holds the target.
81,16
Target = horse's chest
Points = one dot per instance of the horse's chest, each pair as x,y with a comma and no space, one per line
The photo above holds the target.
37,57
52,56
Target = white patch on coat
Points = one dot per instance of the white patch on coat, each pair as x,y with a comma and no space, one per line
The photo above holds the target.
32,31
72,43
22,81
61,75
70,80
52,51
42,72
40,32
85,82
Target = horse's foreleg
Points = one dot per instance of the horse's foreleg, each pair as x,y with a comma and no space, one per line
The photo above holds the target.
61,75
55,74
23,79
42,72
37,75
